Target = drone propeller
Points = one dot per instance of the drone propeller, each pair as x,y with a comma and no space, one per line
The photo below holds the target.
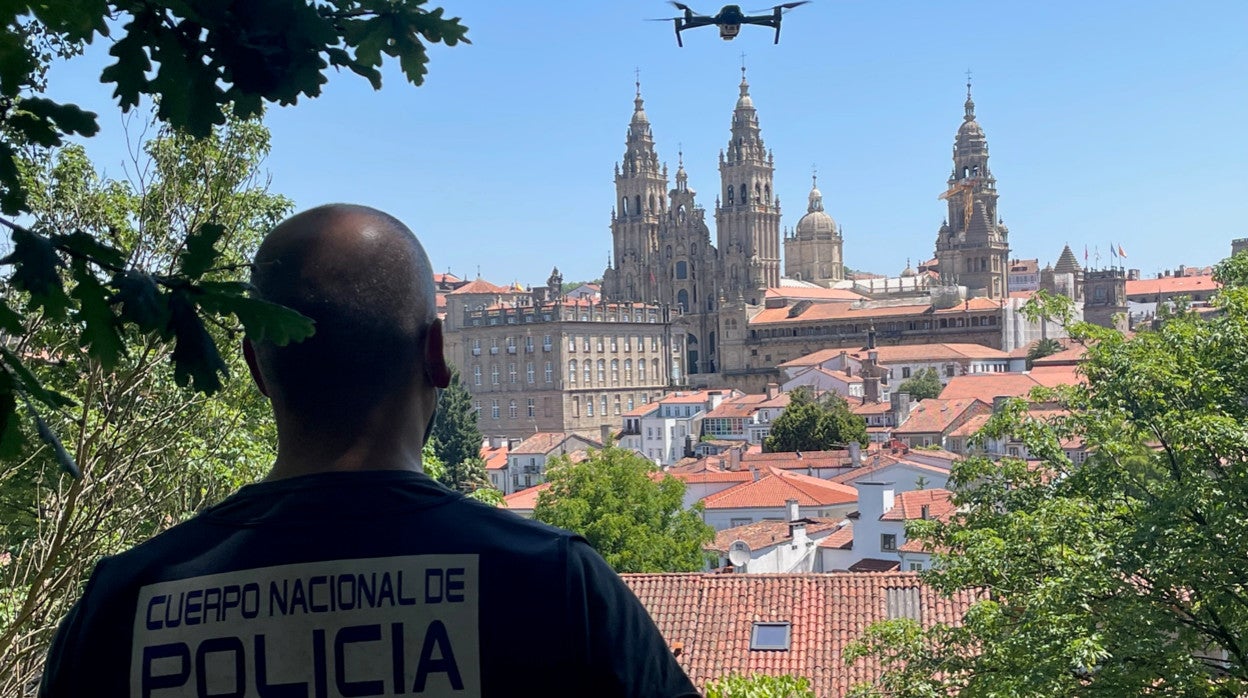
661,19
785,7
680,6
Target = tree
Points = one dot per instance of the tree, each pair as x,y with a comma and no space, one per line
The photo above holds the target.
815,424
457,439
1126,574
151,452
759,686
629,513
1045,347
210,64
924,385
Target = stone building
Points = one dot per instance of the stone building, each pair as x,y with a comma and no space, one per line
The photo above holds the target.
1239,245
548,364
973,244
1105,297
813,252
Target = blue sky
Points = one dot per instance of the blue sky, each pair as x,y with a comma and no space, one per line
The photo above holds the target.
1109,121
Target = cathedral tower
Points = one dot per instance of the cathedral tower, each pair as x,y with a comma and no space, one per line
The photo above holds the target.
973,245
813,253
640,200
690,272
748,215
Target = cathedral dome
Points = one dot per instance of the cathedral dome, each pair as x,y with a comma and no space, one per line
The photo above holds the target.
816,221
909,271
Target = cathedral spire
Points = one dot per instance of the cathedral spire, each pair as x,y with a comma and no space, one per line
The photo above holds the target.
970,103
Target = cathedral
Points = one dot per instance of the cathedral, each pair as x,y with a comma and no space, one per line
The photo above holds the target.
663,251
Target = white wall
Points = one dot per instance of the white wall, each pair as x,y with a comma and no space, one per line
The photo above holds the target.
720,519
799,554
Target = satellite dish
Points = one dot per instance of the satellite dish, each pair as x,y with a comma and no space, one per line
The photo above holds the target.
739,553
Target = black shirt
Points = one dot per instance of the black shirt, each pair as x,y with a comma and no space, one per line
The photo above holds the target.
375,583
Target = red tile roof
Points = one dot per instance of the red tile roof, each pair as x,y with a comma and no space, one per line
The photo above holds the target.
1170,286
689,397
1074,354
762,534
971,426
642,410
772,490
495,458
1053,376
820,293
886,461
986,386
871,564
526,499
836,311
908,506
480,286
711,616
739,407
939,415
841,539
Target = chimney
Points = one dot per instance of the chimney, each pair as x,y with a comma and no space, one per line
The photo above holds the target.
855,454
870,388
871,337
734,459
773,390
793,510
844,359
757,475
874,499
514,443
1181,271
497,441
923,512
604,434
998,403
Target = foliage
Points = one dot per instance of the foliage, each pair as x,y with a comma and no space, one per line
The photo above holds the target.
759,686
815,424
1126,574
1045,347
151,452
198,65
924,385
629,513
457,439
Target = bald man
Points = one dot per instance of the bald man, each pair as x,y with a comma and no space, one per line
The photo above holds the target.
347,571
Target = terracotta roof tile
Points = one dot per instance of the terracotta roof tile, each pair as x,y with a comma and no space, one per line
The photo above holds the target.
835,311
840,539
712,616
818,293
986,386
1053,376
971,426
1171,285
526,499
761,534
871,564
938,415
772,490
886,461
908,506
495,458
479,286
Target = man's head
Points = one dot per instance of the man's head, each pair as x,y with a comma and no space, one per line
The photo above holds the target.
365,280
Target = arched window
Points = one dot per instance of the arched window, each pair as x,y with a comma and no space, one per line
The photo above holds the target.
680,213
572,371
624,206
682,300
637,200
641,370
745,194
767,194
729,195
652,209
589,371
668,251
615,371
602,371
628,372
654,369
758,192
682,270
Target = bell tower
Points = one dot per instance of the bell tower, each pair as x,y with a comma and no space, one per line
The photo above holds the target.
640,201
747,214
973,244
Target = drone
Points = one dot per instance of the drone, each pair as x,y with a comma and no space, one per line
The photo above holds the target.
729,19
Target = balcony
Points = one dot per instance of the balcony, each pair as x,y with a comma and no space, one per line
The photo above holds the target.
511,350
476,351
546,347
528,348
532,469
493,350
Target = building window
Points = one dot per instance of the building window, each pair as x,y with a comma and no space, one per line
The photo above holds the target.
511,372
572,371
628,346
602,371
476,408
493,409
494,375
630,403
476,347
654,366
770,636
616,409
604,406
589,372
586,344
916,566
888,542
615,344
546,343
511,410
599,344
576,407
530,373
532,408
476,375
641,370
571,343
589,406
654,343
951,370
905,372
615,371
682,270
550,372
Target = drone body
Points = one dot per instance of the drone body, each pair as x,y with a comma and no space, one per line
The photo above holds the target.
729,20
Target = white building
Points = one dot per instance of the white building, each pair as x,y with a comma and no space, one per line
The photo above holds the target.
668,433
766,497
775,546
878,540
526,462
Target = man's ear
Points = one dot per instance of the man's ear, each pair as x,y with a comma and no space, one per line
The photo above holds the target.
249,354
438,372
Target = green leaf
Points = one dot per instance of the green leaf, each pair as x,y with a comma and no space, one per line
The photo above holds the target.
10,427
263,321
99,333
129,73
142,301
196,361
68,118
92,248
30,385
10,321
37,271
200,253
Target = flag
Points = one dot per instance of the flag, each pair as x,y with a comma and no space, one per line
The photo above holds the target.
1085,254
1113,251
1121,252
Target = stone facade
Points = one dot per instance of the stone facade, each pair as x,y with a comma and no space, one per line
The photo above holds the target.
1105,298
563,366
1239,245
973,244
814,251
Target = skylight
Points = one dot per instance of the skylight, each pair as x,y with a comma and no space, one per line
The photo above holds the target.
770,636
